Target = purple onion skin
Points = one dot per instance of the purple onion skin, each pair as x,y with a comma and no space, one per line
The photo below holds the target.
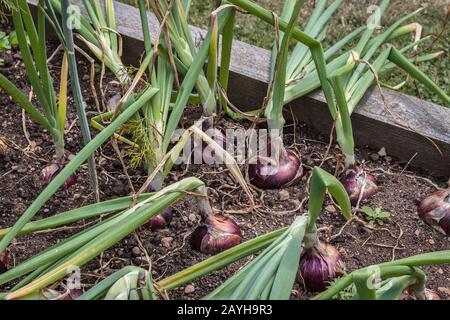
161,221
70,181
435,211
353,182
265,176
319,266
73,294
4,261
429,295
51,171
197,237
218,234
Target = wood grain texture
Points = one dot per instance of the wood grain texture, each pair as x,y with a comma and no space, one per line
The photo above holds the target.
404,128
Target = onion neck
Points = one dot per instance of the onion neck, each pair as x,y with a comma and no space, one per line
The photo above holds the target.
121,73
349,160
156,184
59,148
346,142
420,285
311,239
275,124
204,206
206,96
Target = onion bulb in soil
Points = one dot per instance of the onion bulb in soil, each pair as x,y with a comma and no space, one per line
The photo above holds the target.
356,181
428,294
51,171
219,233
160,221
264,175
60,294
73,294
435,211
4,262
319,265
431,295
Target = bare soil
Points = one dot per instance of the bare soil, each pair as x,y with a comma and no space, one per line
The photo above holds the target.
401,188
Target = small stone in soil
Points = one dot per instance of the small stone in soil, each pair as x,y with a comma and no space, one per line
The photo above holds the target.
295,203
167,242
192,217
417,232
283,195
330,208
382,152
136,251
431,241
189,289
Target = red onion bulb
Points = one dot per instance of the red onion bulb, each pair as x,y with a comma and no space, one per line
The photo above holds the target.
73,294
4,261
265,175
431,295
435,211
60,294
319,265
51,171
218,234
356,181
160,221
427,294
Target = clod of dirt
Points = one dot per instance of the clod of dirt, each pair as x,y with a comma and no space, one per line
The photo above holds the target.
136,251
283,195
382,152
167,242
374,157
189,289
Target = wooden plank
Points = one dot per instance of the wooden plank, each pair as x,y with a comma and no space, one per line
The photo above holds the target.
405,128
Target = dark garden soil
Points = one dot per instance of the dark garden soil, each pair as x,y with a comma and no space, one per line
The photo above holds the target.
403,235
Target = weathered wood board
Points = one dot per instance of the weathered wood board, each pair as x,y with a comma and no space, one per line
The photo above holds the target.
404,128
